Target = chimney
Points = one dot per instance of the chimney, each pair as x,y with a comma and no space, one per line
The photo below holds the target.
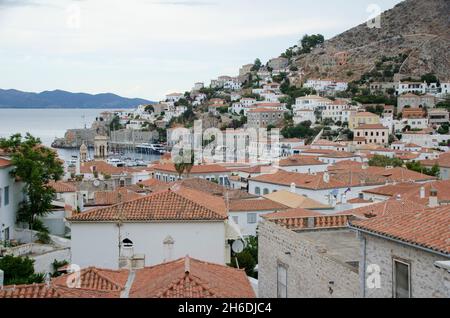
2,275
326,177
422,192
398,197
433,200
293,187
344,199
187,264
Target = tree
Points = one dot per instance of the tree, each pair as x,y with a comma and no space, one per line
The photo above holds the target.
383,161
35,165
309,42
257,65
429,78
115,123
149,109
19,270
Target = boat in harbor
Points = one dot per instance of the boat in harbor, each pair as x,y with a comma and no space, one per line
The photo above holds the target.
152,148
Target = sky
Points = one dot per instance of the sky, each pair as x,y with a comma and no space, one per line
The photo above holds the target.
148,48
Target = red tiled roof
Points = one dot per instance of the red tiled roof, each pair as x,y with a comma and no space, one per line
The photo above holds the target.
443,161
197,169
102,167
62,187
114,197
97,279
411,191
386,208
300,161
29,291
371,126
4,163
255,205
343,178
183,278
182,204
427,228
191,278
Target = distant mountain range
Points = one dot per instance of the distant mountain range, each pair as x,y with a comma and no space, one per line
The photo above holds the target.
12,98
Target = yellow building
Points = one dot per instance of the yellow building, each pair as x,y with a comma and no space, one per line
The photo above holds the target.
363,118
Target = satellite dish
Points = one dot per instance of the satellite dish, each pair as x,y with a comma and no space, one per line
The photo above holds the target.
96,183
238,246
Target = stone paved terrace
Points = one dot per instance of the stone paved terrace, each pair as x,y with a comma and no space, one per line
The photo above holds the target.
340,245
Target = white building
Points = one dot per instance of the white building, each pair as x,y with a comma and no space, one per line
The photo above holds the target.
311,102
10,197
181,222
337,111
326,85
246,214
174,97
304,115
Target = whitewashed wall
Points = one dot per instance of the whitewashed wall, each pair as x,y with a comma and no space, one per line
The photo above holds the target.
97,244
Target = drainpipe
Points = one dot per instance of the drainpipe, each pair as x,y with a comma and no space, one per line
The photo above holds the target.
2,275
363,266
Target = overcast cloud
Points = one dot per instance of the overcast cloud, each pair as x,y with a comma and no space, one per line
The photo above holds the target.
144,48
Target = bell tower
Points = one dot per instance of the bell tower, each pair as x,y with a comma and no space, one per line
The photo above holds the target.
101,147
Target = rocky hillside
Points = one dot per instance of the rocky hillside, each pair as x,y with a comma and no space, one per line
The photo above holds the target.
416,29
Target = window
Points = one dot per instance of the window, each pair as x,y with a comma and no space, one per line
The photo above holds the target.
257,190
402,279
266,191
6,195
281,281
251,218
236,219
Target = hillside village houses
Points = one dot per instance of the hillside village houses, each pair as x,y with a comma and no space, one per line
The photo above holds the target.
321,212
415,101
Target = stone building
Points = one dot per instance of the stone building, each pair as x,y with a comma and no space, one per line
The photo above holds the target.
101,147
405,255
264,117
303,254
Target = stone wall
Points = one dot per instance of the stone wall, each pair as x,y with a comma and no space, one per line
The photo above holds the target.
427,281
309,271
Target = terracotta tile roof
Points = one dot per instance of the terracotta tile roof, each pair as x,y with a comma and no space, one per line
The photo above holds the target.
371,126
427,228
184,278
343,178
411,191
386,208
191,278
212,188
114,197
29,291
62,187
153,184
177,204
254,169
4,163
102,167
97,279
198,169
300,161
255,205
443,161
265,110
